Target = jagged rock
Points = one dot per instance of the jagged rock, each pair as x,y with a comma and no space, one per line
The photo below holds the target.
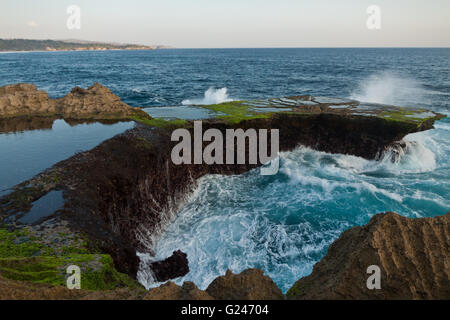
175,266
96,101
251,284
24,100
412,254
171,291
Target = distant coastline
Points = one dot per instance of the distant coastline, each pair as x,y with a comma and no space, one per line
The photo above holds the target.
26,45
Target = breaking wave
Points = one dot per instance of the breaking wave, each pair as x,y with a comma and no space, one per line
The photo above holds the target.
283,224
211,96
388,87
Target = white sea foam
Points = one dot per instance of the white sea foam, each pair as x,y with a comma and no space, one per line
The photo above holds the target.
414,158
211,96
283,224
388,87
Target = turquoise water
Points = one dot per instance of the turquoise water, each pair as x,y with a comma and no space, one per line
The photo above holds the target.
284,223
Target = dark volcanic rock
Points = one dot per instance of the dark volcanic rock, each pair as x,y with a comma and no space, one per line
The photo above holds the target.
173,267
412,254
251,284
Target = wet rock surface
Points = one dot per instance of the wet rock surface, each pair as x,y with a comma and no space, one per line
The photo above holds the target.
173,267
413,256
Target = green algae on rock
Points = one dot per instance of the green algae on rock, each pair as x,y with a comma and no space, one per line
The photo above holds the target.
27,255
236,111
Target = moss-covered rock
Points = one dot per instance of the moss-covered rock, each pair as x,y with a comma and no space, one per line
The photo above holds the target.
25,257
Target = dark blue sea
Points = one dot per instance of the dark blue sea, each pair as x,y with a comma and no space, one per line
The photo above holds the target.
282,224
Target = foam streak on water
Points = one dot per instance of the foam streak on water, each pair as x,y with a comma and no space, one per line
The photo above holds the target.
284,224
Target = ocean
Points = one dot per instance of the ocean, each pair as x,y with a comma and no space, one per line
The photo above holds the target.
282,224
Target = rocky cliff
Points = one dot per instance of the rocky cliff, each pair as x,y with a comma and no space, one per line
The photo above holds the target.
122,194
413,256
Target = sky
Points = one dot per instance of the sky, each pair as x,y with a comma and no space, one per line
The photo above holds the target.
233,23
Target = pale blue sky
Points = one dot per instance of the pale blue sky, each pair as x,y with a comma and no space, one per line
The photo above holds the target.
233,23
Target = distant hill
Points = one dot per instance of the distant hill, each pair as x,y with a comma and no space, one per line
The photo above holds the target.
67,45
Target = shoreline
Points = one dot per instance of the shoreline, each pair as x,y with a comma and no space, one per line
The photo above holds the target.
84,50
131,189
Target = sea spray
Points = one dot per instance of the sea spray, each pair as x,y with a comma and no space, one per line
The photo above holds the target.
408,157
211,96
389,87
283,224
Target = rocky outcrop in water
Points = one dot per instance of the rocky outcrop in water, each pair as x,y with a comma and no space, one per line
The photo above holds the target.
173,267
413,256
24,100
96,102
